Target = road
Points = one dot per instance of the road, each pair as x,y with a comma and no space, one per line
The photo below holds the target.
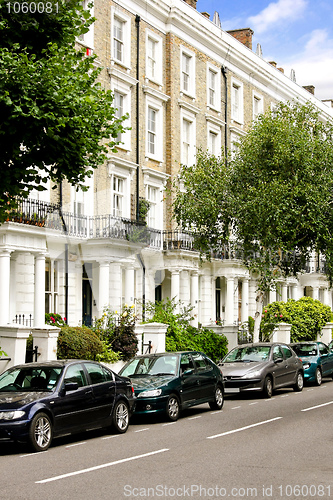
279,448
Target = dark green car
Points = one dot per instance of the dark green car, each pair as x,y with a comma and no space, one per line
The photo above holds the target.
171,381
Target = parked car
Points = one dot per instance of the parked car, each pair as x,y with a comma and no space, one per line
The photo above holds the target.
40,401
317,359
261,367
169,382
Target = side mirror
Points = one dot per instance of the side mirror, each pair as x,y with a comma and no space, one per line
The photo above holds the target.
189,371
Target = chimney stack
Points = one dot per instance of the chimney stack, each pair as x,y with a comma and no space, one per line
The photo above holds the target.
243,35
309,88
192,3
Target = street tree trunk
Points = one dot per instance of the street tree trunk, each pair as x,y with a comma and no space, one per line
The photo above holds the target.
258,315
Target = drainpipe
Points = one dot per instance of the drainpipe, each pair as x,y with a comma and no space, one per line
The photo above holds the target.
66,253
224,73
137,23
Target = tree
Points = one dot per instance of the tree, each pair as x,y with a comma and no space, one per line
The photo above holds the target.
277,196
56,121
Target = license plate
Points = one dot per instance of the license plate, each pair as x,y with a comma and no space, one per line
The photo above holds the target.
231,389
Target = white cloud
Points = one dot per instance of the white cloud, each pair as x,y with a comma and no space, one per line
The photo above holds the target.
274,13
314,65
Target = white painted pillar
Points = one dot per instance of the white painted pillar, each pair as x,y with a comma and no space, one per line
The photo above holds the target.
175,281
245,300
272,296
39,298
150,286
115,286
194,294
5,286
104,287
12,291
315,292
229,306
326,297
185,287
129,286
284,292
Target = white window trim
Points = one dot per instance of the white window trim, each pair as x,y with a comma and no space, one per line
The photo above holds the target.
190,117
159,58
155,179
117,13
87,39
239,117
217,104
122,84
191,91
211,127
124,169
157,104
260,99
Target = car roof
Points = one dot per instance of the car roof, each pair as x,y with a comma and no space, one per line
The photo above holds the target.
56,363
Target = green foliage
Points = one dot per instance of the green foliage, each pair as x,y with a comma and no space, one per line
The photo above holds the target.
200,201
54,319
56,121
181,336
306,316
116,330
78,342
281,190
2,353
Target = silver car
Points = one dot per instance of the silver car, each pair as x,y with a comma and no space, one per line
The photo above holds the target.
262,367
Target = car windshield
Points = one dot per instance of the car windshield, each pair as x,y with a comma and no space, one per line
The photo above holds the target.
305,349
151,365
30,379
248,353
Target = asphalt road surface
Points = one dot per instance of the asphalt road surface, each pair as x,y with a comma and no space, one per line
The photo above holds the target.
279,448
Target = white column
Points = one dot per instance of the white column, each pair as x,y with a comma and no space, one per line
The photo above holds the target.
175,288
12,291
272,296
327,297
129,286
207,296
229,306
5,286
115,286
245,301
284,292
194,294
150,286
315,292
39,299
104,287
185,287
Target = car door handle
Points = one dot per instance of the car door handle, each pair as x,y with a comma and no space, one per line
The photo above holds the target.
88,392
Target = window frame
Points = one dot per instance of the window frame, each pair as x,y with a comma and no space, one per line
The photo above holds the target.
157,77
125,60
190,91
237,103
216,105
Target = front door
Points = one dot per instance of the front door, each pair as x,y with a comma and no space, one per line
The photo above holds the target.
86,295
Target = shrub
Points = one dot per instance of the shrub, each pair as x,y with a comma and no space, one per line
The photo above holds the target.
307,317
181,335
78,342
116,330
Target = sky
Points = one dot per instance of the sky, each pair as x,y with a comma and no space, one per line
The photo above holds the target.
296,34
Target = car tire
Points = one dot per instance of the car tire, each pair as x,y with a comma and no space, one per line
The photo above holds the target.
40,432
173,408
318,376
120,417
298,387
217,404
268,387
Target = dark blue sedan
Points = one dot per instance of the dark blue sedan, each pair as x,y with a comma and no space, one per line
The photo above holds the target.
317,359
39,401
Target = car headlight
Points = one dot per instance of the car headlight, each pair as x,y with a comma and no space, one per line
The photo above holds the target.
150,394
11,415
306,366
254,374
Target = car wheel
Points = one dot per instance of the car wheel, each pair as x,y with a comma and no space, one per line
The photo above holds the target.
318,377
218,399
120,419
40,432
299,382
173,408
268,387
